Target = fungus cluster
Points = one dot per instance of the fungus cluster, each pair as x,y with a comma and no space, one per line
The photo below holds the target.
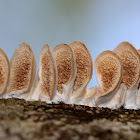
64,73
118,74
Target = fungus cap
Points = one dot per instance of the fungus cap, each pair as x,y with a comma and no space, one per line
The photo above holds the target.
4,71
139,54
22,69
66,66
84,65
131,63
47,72
108,68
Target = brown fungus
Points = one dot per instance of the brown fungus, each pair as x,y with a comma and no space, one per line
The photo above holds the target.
131,63
47,72
84,65
4,71
111,93
131,72
138,94
22,69
108,68
65,61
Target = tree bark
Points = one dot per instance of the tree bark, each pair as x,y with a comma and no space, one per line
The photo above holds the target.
21,120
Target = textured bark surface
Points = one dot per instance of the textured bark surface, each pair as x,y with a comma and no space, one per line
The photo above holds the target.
21,120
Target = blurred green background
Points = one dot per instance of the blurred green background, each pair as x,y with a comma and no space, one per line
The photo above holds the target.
100,24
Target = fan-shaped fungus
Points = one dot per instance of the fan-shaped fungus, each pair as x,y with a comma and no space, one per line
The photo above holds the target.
22,71
46,81
131,71
4,72
108,68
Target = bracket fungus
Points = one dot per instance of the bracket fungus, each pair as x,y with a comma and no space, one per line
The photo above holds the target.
64,73
4,73
45,84
80,94
131,72
22,71
138,94
66,69
109,71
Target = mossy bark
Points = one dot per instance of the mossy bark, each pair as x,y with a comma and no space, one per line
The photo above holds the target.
21,120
